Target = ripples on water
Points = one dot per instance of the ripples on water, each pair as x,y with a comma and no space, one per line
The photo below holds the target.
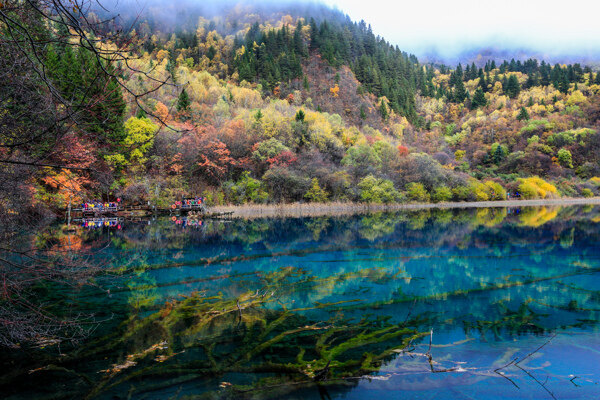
422,304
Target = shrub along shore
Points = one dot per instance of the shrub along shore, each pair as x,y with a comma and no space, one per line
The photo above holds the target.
296,210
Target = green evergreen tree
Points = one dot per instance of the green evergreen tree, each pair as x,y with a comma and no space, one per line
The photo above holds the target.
512,88
172,65
479,99
300,128
532,80
80,77
483,83
299,47
363,114
563,83
383,110
498,153
183,101
544,77
460,93
523,115
211,53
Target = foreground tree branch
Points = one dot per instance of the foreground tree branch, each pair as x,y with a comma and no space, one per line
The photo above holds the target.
61,85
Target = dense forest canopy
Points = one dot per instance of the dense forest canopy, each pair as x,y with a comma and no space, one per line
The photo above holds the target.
279,102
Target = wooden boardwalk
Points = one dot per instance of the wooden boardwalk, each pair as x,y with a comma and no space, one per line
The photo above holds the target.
137,211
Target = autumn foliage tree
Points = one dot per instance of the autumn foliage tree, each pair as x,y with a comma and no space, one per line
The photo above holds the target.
205,156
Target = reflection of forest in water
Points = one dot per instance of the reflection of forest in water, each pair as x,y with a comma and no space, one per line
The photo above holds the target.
276,306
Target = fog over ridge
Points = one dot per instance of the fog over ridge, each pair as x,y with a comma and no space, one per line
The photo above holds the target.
547,29
435,31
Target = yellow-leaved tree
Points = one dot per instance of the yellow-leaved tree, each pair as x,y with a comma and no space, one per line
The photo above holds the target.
139,138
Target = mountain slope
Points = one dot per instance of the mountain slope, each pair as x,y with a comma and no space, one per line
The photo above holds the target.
302,104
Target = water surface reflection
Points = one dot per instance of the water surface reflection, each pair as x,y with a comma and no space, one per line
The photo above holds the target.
432,303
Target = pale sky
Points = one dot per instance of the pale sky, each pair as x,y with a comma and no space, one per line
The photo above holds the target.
549,26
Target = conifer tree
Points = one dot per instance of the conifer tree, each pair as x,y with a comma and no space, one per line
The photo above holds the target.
211,53
171,66
183,101
483,85
105,117
298,43
544,77
563,83
460,93
499,153
523,115
363,114
512,88
300,129
479,99
383,110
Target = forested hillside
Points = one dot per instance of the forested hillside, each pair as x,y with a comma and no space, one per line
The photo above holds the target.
284,104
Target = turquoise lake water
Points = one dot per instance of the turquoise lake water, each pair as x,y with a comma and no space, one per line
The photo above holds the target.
414,305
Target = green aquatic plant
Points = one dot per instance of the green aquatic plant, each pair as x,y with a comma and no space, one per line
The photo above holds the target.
198,336
267,341
513,322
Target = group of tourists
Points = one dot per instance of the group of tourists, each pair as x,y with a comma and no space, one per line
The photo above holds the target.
101,206
188,203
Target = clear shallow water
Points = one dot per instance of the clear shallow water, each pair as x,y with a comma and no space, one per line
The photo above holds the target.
267,308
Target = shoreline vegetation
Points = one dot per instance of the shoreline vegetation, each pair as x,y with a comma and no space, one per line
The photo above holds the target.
298,210
282,109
